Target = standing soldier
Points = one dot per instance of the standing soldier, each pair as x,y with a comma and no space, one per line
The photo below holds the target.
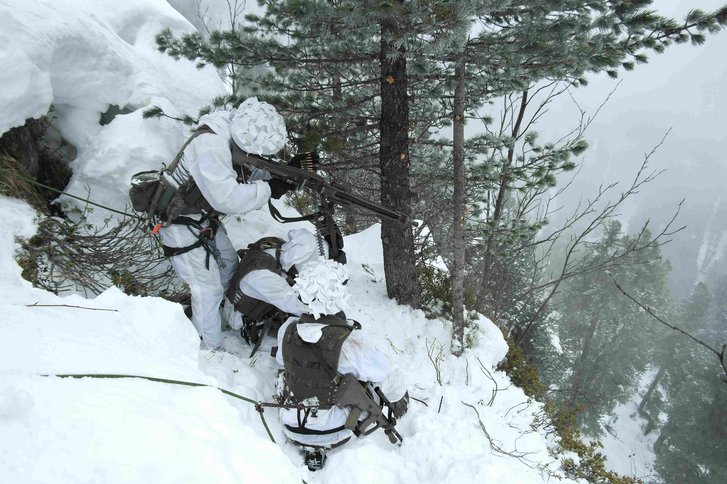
193,234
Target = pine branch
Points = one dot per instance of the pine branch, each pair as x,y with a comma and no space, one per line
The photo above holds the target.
157,112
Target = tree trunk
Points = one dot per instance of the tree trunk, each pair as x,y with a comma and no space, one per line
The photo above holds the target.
654,383
652,387
458,202
396,236
490,256
581,361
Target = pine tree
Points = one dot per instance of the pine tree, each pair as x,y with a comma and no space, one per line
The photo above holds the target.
519,44
330,66
606,341
692,399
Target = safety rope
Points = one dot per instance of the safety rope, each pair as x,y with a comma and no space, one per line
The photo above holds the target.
259,406
47,187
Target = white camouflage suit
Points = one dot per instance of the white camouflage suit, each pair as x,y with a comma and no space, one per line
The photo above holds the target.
358,357
321,285
209,161
273,288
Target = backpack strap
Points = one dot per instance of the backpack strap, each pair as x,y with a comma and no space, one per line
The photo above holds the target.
204,129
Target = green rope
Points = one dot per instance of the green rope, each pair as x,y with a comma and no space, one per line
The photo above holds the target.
175,382
42,185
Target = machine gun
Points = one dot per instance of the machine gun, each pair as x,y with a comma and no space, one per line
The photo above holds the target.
331,194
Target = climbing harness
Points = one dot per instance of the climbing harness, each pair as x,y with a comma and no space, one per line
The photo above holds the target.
205,237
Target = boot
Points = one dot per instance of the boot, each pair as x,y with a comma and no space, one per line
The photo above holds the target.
315,459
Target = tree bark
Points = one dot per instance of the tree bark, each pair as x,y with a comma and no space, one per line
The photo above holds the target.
396,236
458,202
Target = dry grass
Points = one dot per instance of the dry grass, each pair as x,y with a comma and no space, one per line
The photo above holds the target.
12,183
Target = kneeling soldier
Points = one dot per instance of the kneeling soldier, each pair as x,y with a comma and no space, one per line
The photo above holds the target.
261,289
333,374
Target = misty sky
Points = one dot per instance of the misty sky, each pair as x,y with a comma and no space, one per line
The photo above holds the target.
684,89
681,89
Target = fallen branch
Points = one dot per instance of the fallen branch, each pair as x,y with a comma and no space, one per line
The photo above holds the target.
492,379
435,352
718,354
418,400
497,450
36,305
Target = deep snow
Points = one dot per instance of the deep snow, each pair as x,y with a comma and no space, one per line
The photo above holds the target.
82,56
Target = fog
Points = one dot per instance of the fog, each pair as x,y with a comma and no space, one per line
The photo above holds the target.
681,90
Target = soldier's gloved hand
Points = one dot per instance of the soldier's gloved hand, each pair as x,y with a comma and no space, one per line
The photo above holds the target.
306,161
278,188
399,407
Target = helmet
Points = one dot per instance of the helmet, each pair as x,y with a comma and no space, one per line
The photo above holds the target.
257,128
321,286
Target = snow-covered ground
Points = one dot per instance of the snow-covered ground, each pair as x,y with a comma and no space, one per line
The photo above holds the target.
629,451
82,56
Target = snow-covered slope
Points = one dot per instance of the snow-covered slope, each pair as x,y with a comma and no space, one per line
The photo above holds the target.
65,430
82,56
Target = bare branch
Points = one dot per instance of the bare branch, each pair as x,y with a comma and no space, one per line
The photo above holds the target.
36,305
718,354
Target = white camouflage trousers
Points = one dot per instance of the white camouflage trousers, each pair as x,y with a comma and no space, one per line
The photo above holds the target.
207,286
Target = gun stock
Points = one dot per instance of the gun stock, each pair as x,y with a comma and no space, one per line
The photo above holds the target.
352,394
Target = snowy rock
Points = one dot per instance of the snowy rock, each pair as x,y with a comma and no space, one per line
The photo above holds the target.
82,56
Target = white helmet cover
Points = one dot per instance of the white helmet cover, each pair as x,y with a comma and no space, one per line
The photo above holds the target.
258,128
320,285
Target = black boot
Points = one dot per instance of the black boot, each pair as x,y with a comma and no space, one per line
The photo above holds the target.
315,460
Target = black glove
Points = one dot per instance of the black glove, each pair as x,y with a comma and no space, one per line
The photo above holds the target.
399,407
278,188
305,161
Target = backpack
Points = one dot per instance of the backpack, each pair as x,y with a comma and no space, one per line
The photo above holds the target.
254,258
154,194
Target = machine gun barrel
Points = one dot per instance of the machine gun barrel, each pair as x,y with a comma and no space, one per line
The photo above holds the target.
333,192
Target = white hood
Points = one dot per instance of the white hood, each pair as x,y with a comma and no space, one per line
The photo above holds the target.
219,121
258,128
301,247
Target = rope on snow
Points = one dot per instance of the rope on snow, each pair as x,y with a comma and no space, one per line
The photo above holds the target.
260,408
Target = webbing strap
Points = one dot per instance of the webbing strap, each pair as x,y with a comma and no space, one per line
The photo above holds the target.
284,220
172,166
307,431
173,251
204,239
